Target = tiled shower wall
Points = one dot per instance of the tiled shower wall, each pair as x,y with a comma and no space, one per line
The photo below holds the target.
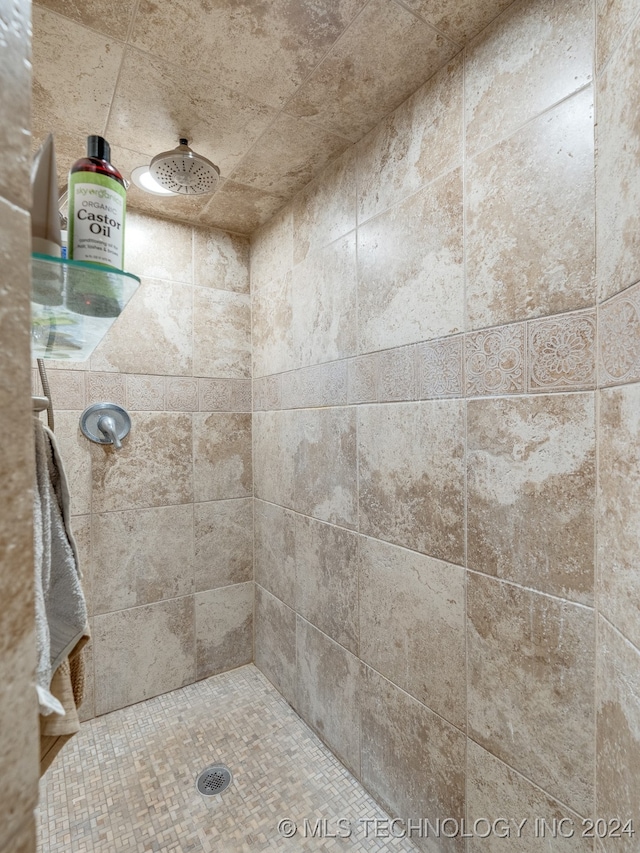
165,525
446,527
18,704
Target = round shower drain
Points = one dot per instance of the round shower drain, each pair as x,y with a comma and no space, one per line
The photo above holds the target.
214,780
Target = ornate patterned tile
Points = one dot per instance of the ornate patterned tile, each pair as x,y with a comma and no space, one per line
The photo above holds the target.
619,335
397,380
495,361
440,368
561,352
126,782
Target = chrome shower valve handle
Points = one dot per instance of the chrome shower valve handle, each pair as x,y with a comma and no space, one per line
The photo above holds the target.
105,423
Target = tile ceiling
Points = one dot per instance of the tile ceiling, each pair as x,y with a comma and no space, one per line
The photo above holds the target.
270,90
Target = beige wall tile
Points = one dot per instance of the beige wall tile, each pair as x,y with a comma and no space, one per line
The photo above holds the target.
275,643
531,683
412,760
145,393
410,271
272,332
222,456
24,840
561,352
411,475
528,59
460,22
345,95
325,465
157,248
440,368
75,452
106,387
81,530
224,629
154,335
143,651
619,338
495,361
412,623
326,208
14,137
322,385
236,207
362,379
324,304
496,792
182,394
618,185
271,251
221,333
242,397
141,556
328,687
417,143
326,580
87,710
613,20
274,444
275,551
153,468
67,389
397,378
223,543
91,14
220,260
531,492
538,183
618,509
618,744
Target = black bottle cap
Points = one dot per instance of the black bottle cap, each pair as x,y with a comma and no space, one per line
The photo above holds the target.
98,148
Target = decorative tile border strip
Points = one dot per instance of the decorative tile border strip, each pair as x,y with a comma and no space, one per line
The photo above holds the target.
74,389
619,327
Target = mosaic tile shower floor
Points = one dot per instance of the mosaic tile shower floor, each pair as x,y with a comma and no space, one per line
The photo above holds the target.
127,781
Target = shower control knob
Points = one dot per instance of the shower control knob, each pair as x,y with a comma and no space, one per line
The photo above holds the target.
105,423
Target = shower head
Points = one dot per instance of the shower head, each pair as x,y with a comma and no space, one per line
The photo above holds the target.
183,171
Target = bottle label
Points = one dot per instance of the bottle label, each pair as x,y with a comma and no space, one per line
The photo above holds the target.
96,219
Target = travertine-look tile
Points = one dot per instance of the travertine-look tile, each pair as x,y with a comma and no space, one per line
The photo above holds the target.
324,304
91,14
275,642
67,389
223,543
410,271
272,249
397,376
274,446
411,475
495,361
440,370
154,335
220,260
75,451
327,579
495,792
106,387
531,661
326,208
143,651
618,188
531,492
87,710
24,840
619,509
182,394
460,21
614,18
267,392
141,556
412,623
325,465
81,530
160,249
221,456
145,393
224,629
16,104
345,93
262,55
561,352
236,207
153,467
275,551
417,143
530,58
619,338
322,385
327,696
221,333
539,182
242,395
362,379
412,759
618,743
272,332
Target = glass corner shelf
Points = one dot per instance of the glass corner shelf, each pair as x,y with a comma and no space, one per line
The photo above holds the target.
73,305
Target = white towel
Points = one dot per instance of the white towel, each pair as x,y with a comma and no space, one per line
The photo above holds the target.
61,611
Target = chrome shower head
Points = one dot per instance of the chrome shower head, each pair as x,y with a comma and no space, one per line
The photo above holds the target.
183,171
